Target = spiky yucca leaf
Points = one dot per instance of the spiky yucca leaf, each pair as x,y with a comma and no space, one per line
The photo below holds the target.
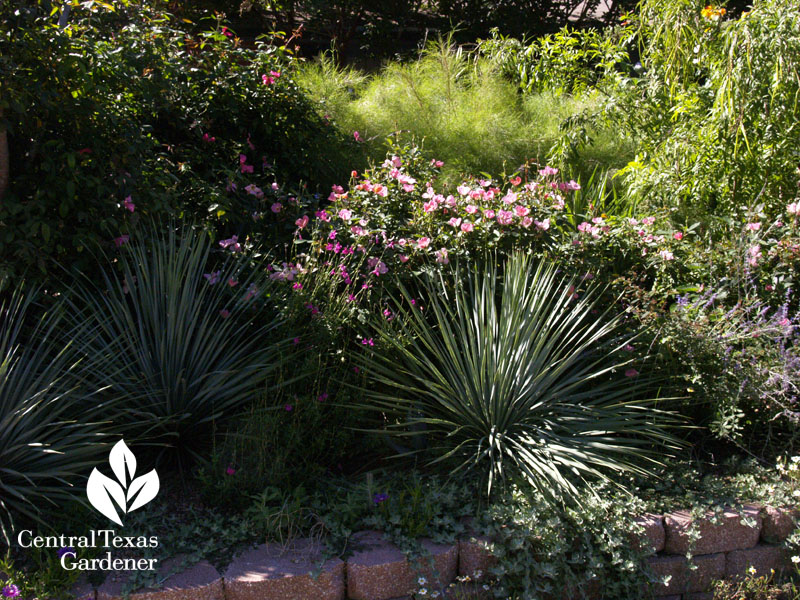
514,377
179,364
48,439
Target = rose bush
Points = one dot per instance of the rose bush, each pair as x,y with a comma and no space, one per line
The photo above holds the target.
395,221
123,101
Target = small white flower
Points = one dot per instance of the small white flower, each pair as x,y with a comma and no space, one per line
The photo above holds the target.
796,559
751,570
486,586
422,592
422,581
796,493
435,594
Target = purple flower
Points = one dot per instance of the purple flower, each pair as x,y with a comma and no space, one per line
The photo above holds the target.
231,243
10,591
378,498
67,550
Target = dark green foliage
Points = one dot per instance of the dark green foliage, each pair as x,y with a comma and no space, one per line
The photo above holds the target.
527,17
49,435
127,103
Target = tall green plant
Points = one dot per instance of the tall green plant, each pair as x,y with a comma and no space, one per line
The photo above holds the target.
516,377
47,435
191,338
714,109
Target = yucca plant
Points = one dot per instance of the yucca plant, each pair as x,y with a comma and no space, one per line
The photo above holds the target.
48,437
515,377
191,332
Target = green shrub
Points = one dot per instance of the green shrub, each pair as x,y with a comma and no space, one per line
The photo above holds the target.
736,369
126,103
287,441
569,61
514,378
186,339
49,431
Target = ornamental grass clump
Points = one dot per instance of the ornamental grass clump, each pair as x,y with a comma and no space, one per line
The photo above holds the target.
186,332
48,431
522,375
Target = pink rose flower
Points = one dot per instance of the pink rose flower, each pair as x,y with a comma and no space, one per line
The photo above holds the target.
521,211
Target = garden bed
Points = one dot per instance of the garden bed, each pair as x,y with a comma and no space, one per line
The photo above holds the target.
455,322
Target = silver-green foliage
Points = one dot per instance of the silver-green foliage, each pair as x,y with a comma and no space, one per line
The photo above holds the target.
182,347
513,376
47,435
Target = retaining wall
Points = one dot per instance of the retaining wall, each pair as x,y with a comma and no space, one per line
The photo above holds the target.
379,571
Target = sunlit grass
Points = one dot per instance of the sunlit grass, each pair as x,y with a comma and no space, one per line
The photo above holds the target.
460,107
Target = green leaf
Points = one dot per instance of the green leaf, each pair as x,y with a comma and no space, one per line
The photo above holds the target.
512,376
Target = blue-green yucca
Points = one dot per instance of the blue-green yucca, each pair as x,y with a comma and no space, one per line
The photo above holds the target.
48,439
516,378
183,349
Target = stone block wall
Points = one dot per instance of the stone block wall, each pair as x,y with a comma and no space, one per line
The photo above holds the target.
727,546
378,570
